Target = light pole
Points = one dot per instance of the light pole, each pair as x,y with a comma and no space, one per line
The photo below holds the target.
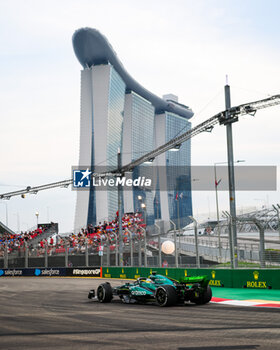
18,222
157,205
143,206
177,198
178,213
231,249
37,217
140,201
26,225
120,211
48,214
217,202
6,204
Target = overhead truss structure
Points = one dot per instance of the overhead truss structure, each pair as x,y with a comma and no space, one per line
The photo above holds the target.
230,115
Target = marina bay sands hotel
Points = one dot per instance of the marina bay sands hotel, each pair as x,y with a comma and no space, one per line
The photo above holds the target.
118,113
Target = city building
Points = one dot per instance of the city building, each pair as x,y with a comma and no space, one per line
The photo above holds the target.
173,199
118,113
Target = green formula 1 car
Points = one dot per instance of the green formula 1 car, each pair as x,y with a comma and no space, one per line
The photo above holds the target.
159,289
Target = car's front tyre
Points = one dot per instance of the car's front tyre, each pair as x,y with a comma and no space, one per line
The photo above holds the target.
166,295
104,293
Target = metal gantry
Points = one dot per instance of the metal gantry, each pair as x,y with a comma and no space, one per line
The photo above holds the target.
230,115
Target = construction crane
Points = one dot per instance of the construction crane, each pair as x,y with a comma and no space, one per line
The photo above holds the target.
227,116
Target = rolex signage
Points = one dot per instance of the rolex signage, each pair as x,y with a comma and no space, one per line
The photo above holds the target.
213,281
256,283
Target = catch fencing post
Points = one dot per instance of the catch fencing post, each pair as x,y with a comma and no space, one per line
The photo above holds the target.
66,253
46,253
6,259
86,253
175,243
262,250
102,251
145,246
117,254
278,217
139,252
116,248
159,246
196,242
25,254
131,247
108,252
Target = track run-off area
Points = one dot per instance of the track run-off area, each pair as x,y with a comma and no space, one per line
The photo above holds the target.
55,313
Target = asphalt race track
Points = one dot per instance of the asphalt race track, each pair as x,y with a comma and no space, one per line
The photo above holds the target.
54,313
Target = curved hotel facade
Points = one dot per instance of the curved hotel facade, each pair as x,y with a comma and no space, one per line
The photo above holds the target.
118,113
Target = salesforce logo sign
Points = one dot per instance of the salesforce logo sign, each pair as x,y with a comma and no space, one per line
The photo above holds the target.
1,272
37,272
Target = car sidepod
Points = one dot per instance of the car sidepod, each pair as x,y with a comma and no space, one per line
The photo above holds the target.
141,292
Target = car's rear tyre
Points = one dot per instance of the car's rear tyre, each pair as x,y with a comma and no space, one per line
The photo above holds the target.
166,295
104,293
203,298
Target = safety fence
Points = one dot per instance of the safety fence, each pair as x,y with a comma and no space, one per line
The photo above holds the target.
246,278
134,254
190,251
199,247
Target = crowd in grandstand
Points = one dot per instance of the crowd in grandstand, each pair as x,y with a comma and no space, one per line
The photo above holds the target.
94,236
17,241
103,233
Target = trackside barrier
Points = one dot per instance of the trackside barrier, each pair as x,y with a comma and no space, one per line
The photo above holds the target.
249,278
53,272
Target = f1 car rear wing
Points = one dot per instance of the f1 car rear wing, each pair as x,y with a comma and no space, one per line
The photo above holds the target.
203,280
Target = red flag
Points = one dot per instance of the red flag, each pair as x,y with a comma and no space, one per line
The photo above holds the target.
176,198
217,182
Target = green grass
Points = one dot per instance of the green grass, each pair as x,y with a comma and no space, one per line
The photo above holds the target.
246,293
247,264
240,264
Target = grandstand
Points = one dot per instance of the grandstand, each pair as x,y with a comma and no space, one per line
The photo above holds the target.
93,236
5,229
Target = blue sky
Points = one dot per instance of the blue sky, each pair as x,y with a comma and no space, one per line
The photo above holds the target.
180,47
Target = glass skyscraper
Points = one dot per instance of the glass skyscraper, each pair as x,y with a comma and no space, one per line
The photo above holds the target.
138,139
178,162
118,113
